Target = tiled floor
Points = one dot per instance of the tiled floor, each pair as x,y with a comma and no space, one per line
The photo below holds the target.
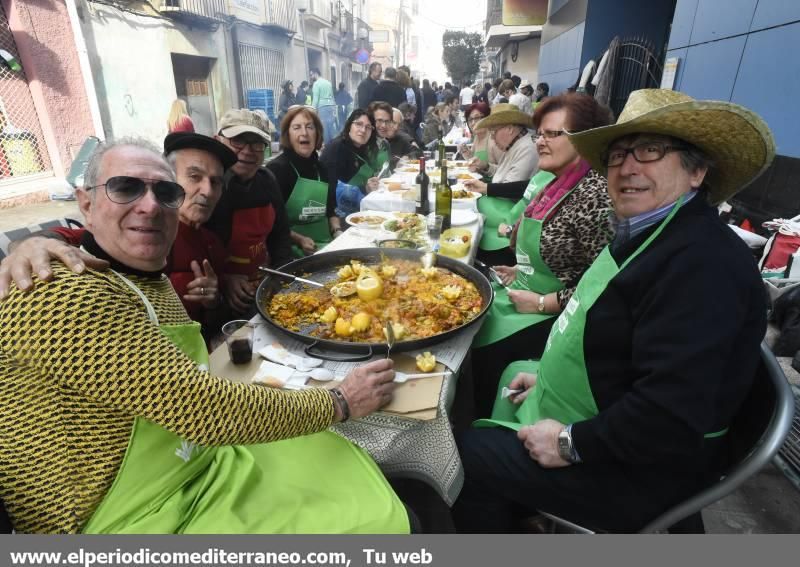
26,215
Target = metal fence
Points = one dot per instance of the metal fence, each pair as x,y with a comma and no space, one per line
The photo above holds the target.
22,148
282,13
211,9
638,66
320,9
262,68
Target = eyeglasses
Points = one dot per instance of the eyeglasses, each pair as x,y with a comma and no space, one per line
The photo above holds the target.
239,144
123,189
473,119
380,122
363,126
643,153
548,134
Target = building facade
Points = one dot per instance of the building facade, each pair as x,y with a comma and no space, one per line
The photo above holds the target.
47,102
743,51
510,48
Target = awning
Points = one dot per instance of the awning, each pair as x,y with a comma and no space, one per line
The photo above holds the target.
499,35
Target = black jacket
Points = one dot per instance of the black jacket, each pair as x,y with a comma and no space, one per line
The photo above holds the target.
364,92
260,192
672,345
339,158
389,91
402,146
310,168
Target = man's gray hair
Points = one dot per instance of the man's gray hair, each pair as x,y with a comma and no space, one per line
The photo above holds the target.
92,175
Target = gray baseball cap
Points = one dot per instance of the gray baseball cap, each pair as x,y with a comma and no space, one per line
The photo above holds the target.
242,121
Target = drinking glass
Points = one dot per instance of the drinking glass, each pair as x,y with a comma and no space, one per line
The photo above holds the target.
434,222
239,338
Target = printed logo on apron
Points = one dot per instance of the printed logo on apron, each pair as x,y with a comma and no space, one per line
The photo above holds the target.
313,210
528,193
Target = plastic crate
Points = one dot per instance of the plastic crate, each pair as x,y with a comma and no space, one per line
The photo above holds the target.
262,99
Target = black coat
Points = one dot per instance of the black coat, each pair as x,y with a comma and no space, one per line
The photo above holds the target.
672,345
310,168
389,91
364,92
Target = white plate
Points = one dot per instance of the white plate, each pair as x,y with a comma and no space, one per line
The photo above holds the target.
377,214
459,217
399,217
474,195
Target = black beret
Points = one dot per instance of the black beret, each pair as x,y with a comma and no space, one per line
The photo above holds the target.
190,140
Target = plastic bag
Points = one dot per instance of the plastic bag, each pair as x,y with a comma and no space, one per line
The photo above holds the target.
348,199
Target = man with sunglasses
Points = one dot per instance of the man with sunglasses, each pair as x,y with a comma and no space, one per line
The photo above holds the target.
114,423
197,257
250,218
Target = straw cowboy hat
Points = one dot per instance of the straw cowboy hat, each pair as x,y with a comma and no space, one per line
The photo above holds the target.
504,114
737,140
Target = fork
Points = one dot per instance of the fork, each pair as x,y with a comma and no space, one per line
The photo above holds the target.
389,338
401,377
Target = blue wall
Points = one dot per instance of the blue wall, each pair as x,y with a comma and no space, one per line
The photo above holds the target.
562,58
744,51
627,18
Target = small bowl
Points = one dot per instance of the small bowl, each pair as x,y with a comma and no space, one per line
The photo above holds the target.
397,243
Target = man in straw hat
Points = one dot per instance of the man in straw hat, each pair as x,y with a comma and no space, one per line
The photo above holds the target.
626,414
508,128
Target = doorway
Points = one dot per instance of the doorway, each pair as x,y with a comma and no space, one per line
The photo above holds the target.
193,85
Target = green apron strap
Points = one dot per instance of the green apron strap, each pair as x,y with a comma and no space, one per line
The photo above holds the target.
166,484
569,398
362,175
490,240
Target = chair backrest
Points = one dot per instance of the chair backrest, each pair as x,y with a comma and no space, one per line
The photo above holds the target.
756,433
7,237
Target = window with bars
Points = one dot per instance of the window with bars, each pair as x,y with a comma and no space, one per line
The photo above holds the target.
22,148
262,68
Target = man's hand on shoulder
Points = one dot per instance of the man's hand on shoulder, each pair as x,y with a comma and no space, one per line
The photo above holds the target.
33,256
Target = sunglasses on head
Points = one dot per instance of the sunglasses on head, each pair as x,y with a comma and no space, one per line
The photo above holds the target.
123,189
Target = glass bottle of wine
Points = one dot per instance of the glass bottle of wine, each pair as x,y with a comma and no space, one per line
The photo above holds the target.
422,182
444,198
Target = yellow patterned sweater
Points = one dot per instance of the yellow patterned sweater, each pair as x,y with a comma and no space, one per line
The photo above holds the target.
79,360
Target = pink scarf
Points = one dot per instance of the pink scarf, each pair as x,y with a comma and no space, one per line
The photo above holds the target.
544,202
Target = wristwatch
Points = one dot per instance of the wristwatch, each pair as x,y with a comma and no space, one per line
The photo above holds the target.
566,450
509,230
541,304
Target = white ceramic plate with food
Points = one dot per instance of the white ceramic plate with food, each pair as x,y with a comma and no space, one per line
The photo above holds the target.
459,217
367,219
461,194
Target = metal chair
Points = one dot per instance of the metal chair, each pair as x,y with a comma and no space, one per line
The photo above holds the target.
756,433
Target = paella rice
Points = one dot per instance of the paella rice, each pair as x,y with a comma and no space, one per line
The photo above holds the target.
424,302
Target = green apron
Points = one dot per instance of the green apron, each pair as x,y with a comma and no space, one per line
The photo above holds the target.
569,399
533,274
482,155
490,240
306,210
318,483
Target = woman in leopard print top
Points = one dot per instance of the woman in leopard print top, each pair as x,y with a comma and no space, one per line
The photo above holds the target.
566,225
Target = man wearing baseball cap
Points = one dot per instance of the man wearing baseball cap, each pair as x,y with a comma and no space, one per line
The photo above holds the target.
250,218
197,256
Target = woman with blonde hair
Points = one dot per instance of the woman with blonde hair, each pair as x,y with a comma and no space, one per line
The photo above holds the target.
179,120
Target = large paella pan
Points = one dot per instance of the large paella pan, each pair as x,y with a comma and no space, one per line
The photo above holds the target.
426,307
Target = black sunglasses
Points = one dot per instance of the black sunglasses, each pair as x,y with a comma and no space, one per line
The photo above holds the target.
123,189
